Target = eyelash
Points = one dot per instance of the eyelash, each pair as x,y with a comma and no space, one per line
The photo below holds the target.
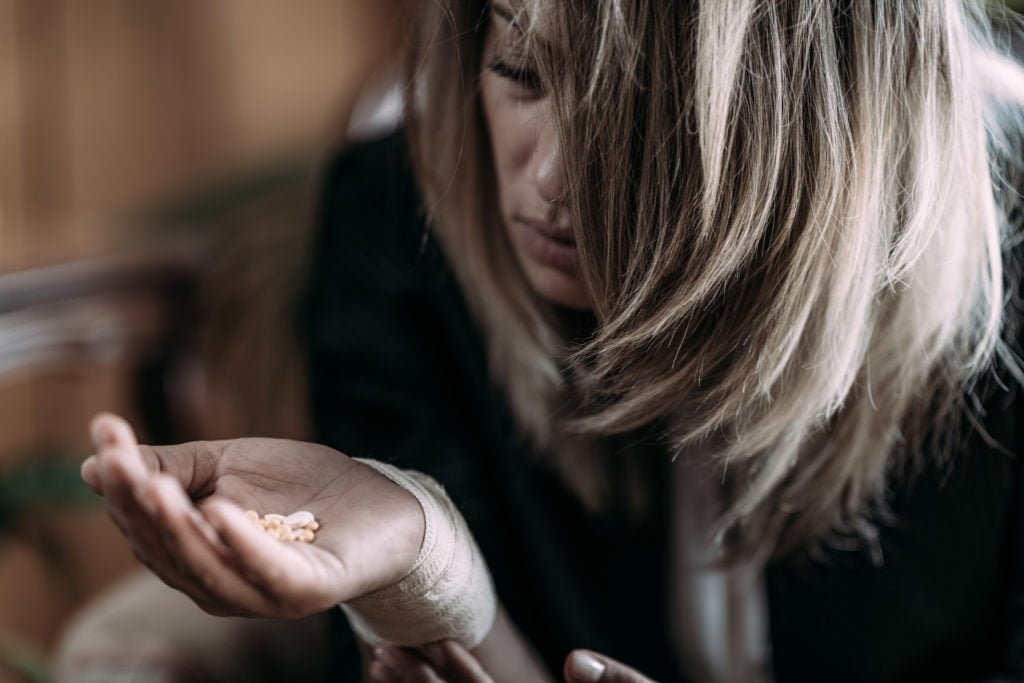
527,78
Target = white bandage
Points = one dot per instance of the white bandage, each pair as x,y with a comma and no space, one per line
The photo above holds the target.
448,594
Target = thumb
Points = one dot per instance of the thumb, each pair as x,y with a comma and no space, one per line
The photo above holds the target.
192,464
585,666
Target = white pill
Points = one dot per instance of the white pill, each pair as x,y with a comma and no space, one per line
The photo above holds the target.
299,519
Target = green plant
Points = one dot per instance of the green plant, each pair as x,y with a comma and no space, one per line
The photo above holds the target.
31,491
23,659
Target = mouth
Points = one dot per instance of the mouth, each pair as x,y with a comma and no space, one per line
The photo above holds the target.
559,233
550,245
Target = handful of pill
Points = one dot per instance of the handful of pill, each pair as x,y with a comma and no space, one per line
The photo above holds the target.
298,526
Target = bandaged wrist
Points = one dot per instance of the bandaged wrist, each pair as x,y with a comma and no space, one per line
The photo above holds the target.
448,594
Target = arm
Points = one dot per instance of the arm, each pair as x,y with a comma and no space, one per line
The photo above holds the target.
507,656
384,377
503,657
373,520
391,353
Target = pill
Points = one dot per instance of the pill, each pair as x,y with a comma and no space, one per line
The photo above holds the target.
298,526
299,519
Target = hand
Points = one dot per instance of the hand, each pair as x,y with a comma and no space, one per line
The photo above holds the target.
181,508
449,662
584,666
442,662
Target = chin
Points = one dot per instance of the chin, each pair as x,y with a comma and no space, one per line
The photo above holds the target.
558,287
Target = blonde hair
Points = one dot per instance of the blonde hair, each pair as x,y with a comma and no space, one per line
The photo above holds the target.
796,226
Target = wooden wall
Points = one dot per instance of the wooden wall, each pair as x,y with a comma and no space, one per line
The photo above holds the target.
109,106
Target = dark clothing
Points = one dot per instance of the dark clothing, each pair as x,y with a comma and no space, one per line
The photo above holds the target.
398,373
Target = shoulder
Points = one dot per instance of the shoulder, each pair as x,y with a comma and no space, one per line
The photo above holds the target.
372,258
369,170
370,212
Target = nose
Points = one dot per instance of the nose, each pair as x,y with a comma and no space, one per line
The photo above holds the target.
548,174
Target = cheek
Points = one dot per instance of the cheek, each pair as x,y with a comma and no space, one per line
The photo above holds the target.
509,129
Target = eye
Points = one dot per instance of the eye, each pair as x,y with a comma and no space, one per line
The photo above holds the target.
528,78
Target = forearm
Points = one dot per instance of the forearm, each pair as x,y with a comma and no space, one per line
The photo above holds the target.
507,656
448,595
504,656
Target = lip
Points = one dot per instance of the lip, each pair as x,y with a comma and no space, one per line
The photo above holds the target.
549,244
552,230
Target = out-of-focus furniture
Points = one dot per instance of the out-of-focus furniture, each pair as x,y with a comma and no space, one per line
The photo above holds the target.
191,337
108,109
76,338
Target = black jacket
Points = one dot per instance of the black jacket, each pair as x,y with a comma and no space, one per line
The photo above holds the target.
398,372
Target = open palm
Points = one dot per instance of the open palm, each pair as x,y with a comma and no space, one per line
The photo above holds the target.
181,508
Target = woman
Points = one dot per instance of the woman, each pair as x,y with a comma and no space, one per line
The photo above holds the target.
704,314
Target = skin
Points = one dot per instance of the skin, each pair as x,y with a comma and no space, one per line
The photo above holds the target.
531,186
181,507
182,510
528,162
449,662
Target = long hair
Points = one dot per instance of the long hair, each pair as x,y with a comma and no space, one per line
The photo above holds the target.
794,229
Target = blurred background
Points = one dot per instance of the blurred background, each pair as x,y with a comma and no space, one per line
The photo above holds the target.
158,166
158,169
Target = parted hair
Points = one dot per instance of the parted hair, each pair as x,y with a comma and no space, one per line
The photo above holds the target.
793,220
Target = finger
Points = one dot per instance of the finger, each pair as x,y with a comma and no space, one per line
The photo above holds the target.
193,464
274,567
423,673
91,474
125,507
108,431
406,666
125,478
396,659
118,451
388,666
584,666
455,663
156,552
126,467
190,539
379,673
122,474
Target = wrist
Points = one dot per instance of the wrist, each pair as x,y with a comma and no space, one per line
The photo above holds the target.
448,593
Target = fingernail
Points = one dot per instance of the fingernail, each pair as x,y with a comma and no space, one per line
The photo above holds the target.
585,667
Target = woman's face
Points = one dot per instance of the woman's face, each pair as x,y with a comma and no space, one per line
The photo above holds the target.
528,165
